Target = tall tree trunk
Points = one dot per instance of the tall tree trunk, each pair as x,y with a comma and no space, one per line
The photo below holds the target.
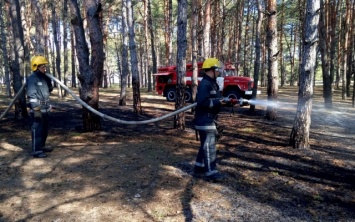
26,69
4,50
257,52
125,70
39,24
323,46
89,74
146,44
272,88
179,119
56,49
65,42
263,79
239,22
17,58
334,38
194,27
282,68
300,32
168,5
152,42
246,42
73,61
137,106
299,137
207,30
344,64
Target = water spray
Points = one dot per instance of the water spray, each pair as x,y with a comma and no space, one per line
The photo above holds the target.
246,102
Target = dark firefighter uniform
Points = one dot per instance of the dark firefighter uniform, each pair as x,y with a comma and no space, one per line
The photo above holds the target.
39,87
208,106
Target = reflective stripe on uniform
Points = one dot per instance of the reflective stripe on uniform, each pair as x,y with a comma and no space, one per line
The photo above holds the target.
206,127
211,104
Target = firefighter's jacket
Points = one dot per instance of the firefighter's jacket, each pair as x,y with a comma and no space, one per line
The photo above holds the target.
208,104
39,87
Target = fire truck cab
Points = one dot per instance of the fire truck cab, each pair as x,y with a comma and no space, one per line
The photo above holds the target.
230,86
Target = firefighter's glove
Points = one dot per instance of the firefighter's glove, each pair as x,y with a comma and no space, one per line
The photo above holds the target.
37,112
226,100
229,102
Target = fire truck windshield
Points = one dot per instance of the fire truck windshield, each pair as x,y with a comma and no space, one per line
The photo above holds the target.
228,72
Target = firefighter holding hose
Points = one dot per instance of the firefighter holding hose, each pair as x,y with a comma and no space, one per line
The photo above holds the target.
209,102
39,87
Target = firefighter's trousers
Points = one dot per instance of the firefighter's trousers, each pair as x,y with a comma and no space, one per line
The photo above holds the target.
39,128
206,156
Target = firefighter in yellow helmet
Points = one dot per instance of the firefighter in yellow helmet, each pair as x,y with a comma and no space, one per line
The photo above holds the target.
38,88
209,102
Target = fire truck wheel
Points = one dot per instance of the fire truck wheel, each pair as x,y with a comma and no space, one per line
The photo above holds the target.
171,95
234,94
188,96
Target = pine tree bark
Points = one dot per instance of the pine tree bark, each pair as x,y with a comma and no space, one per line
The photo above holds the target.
179,119
73,61
194,28
4,50
137,106
272,88
125,69
152,42
89,72
257,52
299,137
207,30
65,42
323,46
39,23
57,49
17,57
146,44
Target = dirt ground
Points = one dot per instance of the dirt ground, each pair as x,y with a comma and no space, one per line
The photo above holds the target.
144,172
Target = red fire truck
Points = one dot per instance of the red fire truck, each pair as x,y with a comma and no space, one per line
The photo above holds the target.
230,86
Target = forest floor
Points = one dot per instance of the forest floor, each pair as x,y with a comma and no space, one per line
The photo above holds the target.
144,172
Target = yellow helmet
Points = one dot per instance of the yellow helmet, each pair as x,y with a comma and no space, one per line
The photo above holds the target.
36,61
211,63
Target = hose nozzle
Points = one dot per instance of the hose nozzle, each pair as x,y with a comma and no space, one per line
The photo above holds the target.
243,102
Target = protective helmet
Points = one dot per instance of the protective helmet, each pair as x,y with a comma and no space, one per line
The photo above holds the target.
36,61
213,63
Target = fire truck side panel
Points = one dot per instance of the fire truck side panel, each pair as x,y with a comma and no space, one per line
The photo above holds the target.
232,86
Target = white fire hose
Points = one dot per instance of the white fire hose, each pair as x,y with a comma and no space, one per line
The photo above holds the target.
104,116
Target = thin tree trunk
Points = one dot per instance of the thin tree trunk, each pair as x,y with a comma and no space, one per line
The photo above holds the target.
137,106
257,52
146,44
323,46
73,61
179,119
125,70
57,50
207,30
39,22
238,43
17,58
65,42
246,42
282,68
152,42
194,27
4,50
348,50
299,137
272,88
